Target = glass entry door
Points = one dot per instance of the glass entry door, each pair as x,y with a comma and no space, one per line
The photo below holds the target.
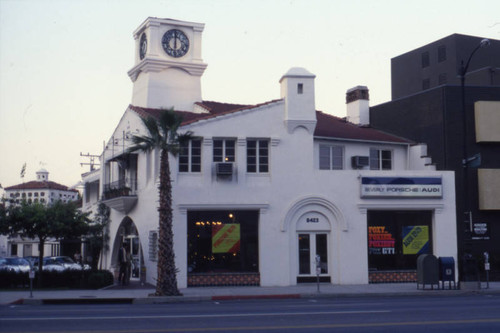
313,247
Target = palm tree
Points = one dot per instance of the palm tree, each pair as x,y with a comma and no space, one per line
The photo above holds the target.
163,135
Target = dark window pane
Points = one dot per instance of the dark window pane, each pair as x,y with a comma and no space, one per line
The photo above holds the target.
442,79
425,59
386,154
426,84
322,252
304,254
441,53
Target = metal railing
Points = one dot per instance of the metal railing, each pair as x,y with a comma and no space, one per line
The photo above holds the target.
121,188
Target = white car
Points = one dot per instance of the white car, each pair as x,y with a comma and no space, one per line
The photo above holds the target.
15,265
65,262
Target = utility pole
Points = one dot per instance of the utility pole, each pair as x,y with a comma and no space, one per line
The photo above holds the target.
92,160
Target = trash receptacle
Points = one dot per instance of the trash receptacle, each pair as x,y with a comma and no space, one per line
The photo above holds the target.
447,271
427,271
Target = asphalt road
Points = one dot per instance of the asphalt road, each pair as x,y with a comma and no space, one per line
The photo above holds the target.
475,313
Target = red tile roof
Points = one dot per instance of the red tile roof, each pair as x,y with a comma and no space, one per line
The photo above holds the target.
327,126
40,185
214,109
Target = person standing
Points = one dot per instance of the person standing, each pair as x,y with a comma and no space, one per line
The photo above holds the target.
122,260
78,257
129,266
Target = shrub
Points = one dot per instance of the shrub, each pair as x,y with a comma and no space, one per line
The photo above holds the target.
9,279
99,279
72,279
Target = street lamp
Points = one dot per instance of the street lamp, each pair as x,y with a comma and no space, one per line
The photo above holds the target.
466,159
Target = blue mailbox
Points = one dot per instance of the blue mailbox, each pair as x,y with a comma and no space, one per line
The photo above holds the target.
447,271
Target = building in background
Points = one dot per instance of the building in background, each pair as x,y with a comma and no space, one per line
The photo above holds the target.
438,63
272,194
43,191
427,107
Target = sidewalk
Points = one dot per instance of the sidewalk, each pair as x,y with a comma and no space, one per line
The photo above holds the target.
137,294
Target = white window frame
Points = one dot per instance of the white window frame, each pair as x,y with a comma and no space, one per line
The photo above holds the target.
226,156
333,157
378,162
260,167
191,157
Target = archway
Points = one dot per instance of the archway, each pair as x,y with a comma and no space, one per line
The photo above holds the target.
128,236
314,225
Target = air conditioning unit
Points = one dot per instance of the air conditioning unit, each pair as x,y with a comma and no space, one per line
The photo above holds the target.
359,162
224,169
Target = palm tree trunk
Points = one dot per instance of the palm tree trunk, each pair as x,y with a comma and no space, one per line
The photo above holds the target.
166,284
41,247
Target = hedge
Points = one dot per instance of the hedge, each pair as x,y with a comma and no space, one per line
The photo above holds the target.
67,279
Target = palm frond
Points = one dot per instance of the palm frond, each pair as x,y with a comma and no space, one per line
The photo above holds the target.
146,143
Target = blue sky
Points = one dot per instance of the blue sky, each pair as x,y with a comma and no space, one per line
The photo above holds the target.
64,63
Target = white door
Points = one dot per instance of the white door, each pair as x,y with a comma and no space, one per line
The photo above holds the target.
312,245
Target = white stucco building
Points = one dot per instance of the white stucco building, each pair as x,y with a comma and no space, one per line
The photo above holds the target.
43,191
264,190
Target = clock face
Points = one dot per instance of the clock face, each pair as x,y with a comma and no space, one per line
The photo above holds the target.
143,46
175,43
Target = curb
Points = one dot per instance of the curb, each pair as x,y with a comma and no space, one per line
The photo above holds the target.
192,299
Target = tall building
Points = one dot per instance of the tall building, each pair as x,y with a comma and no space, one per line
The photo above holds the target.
43,191
271,194
439,63
435,116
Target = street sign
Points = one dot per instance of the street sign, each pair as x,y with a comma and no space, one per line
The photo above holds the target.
480,231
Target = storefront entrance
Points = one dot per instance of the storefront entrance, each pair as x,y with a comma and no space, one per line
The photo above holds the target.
313,256
314,224
128,236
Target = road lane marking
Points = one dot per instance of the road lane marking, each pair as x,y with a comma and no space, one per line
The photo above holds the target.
291,327
225,315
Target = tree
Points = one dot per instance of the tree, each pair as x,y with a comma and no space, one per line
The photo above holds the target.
38,221
163,135
98,235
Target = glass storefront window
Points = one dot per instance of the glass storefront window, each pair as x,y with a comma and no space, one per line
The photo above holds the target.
397,238
223,241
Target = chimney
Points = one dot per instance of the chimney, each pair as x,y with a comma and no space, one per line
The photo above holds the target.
358,105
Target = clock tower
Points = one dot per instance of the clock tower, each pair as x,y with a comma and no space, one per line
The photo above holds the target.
168,65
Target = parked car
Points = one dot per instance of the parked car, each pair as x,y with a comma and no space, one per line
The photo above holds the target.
15,264
59,264
50,265
31,260
65,262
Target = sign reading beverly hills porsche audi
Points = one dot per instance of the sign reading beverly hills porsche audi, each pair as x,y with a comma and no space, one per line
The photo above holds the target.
410,187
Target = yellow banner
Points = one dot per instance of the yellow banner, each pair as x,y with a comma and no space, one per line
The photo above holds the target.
416,239
226,238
